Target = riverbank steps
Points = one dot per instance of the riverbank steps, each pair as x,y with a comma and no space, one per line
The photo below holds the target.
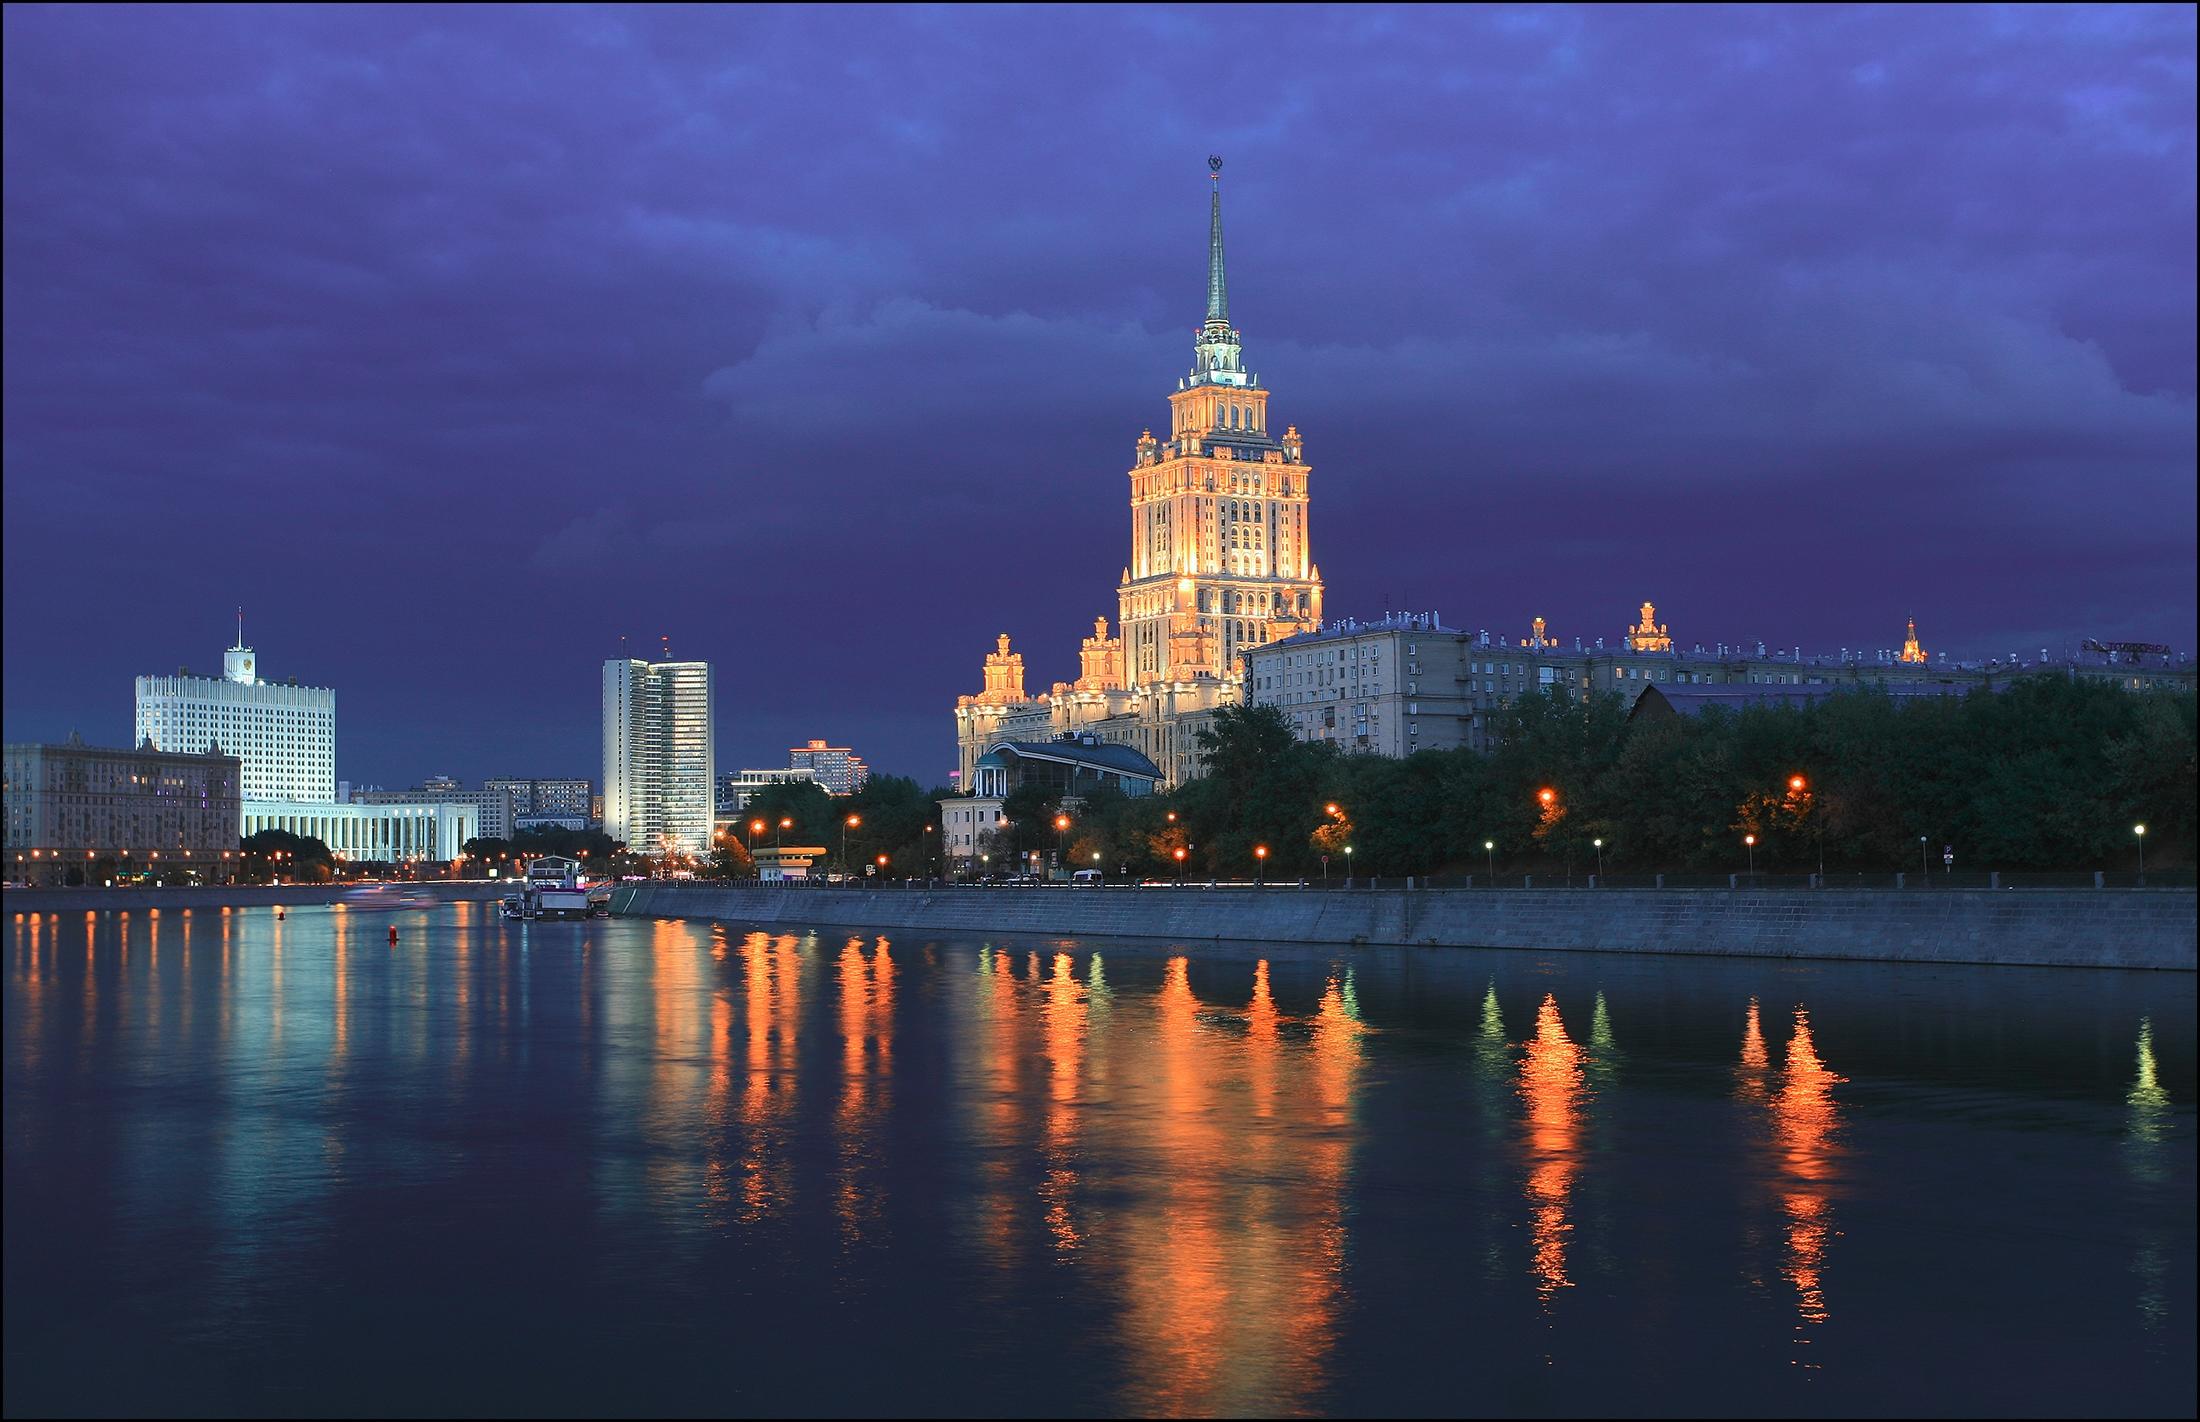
2073,928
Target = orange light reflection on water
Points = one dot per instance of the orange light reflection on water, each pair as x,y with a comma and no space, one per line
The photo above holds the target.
1551,1084
1232,1265
771,968
1805,1120
866,983
1063,1010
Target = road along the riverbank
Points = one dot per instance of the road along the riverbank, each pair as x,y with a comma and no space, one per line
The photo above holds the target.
230,896
2113,928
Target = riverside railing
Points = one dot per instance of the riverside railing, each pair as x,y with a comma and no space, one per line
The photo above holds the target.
1909,881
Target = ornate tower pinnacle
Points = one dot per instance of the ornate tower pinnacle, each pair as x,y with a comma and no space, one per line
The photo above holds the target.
1649,635
1911,651
1218,289
1217,358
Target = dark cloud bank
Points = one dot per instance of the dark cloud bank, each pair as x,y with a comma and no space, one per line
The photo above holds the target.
457,344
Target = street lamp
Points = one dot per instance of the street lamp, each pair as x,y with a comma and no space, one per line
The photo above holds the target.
1600,859
1260,861
1348,866
1798,788
1179,851
756,827
1061,829
845,825
1750,840
1489,848
786,822
1924,865
2139,833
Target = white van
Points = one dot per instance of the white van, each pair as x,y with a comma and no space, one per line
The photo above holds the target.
1086,876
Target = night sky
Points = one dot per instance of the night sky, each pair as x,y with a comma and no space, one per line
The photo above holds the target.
455,345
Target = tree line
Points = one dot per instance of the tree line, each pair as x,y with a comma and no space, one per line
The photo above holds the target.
2050,773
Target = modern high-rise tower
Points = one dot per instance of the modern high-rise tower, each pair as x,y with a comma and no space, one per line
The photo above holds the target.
658,768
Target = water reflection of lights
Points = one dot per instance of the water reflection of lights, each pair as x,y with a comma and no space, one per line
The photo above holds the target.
2148,1101
2149,1108
1551,1083
866,983
1000,1115
1232,1270
1752,1075
1065,1045
771,971
1805,1120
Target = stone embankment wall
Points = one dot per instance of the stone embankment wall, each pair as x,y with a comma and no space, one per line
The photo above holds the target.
230,896
2142,928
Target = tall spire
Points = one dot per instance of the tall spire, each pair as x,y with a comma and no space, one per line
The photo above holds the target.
1217,357
1218,290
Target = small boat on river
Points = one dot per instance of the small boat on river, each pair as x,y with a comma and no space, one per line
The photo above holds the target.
385,898
554,888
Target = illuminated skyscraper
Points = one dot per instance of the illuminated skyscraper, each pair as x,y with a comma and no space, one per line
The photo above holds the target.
658,766
1220,564
1219,553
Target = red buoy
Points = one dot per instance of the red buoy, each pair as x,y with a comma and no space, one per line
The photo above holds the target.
393,933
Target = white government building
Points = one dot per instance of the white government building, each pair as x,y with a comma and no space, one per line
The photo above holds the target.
659,774
284,738
284,733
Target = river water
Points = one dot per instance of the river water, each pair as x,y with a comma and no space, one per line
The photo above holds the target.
284,1167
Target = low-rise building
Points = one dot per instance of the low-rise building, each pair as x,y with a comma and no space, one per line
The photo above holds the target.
420,832
736,790
965,822
549,819
1070,765
493,802
777,864
98,810
1406,682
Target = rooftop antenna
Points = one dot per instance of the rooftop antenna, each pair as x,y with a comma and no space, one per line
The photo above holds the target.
665,646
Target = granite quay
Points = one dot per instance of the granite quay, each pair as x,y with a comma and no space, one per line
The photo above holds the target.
2113,928
213,896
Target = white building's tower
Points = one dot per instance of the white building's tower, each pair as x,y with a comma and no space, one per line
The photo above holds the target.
238,662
